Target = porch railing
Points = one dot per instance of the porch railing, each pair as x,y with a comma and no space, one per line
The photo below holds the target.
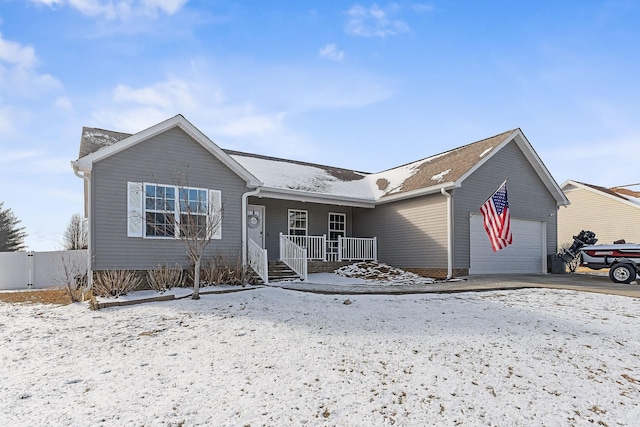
357,249
293,255
258,260
316,245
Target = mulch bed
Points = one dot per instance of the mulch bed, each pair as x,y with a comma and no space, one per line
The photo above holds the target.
37,296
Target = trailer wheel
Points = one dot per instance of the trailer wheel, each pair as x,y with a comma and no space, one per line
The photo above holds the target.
622,273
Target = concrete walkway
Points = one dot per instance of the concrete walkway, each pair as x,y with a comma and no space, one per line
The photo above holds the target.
576,282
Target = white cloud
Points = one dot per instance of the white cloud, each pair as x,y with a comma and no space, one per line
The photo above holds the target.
14,53
588,160
9,157
161,95
121,10
422,8
64,103
375,21
254,124
243,106
17,70
331,52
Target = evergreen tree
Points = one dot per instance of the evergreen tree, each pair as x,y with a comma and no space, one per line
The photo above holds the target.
11,236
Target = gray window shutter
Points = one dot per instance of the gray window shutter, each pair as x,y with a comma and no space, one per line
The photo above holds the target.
215,212
134,209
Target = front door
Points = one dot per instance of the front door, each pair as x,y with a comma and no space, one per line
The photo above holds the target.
255,224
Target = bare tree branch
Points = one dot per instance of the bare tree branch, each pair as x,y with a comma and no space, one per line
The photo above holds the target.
76,234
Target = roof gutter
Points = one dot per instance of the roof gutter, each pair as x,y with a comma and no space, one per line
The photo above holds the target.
310,197
420,192
74,166
449,234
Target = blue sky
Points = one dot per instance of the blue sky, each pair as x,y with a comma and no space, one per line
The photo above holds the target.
361,85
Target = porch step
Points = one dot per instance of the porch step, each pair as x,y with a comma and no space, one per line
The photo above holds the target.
279,271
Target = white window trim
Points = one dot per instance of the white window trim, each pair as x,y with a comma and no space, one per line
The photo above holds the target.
137,212
329,229
144,211
306,221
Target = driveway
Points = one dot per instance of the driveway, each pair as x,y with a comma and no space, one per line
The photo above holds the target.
577,282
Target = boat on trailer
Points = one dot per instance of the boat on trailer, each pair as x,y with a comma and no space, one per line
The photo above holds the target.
621,258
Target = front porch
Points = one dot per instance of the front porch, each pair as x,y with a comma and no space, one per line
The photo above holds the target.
297,252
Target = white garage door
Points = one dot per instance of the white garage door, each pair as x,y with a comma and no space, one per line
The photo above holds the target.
525,255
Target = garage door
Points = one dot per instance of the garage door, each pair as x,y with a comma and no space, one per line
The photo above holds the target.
526,254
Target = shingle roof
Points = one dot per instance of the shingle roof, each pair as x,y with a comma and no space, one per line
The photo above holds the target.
94,139
621,192
445,167
286,174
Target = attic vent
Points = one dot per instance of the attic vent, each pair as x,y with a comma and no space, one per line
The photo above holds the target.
382,184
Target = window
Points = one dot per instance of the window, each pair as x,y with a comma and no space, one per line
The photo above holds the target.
159,207
337,225
168,211
193,212
297,222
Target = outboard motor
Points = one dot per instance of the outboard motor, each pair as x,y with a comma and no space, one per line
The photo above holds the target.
583,238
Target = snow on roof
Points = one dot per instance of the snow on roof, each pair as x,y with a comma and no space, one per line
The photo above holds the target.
289,175
94,139
485,152
629,192
293,175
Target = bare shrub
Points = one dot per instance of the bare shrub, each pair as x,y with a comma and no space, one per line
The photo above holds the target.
221,272
114,283
71,275
163,277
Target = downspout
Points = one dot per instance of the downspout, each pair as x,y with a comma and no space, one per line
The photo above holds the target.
449,235
245,198
74,165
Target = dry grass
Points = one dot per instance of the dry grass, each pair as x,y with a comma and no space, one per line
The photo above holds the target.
586,270
37,296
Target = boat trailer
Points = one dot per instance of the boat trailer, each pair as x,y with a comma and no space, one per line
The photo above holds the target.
621,258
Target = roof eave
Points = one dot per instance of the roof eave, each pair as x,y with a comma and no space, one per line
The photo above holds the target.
309,197
85,164
416,193
596,191
527,149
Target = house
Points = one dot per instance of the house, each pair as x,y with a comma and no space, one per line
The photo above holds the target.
611,213
422,216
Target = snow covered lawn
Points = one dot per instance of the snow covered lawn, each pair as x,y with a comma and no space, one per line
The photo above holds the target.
274,357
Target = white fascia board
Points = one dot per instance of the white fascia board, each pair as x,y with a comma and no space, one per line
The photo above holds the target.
540,168
303,196
85,163
485,158
417,193
227,160
599,193
518,137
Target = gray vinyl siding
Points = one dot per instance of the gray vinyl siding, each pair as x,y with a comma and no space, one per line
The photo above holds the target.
610,219
276,220
411,233
529,198
158,160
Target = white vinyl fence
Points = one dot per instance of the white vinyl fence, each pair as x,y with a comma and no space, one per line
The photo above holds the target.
27,270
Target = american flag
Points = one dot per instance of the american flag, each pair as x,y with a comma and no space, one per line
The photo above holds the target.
497,219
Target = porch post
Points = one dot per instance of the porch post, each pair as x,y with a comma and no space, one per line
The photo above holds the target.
324,247
375,249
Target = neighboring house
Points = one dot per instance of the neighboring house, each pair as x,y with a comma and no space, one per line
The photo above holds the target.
612,213
422,216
